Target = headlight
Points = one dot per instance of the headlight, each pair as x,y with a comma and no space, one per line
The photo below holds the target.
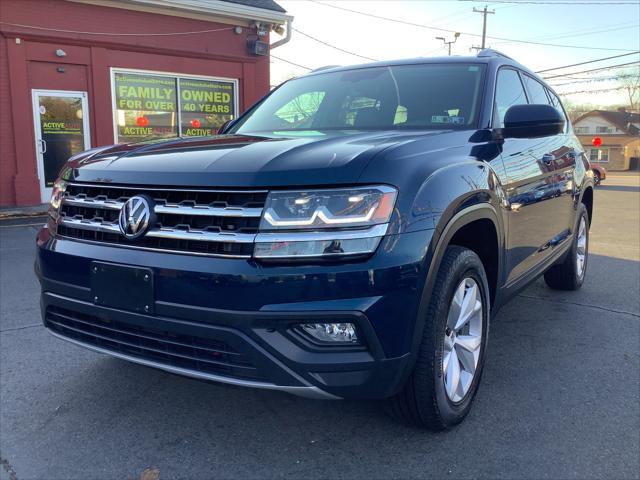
324,223
312,210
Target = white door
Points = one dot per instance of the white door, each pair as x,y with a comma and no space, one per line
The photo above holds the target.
61,120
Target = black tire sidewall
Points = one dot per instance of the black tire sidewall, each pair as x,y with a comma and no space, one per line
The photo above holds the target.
471,266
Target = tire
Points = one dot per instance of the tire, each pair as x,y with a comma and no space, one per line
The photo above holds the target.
596,178
569,275
425,399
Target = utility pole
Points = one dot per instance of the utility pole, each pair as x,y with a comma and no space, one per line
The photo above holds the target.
484,13
450,42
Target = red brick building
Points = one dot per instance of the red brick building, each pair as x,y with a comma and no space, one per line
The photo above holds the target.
77,74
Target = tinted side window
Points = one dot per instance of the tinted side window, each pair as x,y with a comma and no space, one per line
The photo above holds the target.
555,101
536,91
509,92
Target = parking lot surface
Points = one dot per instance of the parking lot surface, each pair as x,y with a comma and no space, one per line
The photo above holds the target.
559,399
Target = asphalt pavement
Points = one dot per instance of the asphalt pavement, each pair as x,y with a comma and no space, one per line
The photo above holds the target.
560,396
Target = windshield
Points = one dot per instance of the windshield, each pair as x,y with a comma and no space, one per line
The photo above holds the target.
425,96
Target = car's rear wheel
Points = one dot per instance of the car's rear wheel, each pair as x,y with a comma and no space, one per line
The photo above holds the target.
569,275
445,378
596,177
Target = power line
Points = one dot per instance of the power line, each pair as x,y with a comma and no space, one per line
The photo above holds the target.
289,61
538,2
578,33
592,80
428,27
333,46
592,70
604,90
590,61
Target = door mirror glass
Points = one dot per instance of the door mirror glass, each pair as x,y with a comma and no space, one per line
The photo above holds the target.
532,121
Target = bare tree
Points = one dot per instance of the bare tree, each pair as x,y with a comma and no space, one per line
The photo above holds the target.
630,80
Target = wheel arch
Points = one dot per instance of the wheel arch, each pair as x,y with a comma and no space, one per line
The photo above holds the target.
587,200
458,230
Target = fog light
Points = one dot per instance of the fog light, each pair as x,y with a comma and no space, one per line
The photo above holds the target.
331,332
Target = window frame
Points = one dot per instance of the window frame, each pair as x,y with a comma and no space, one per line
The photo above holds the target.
568,127
545,89
177,76
494,109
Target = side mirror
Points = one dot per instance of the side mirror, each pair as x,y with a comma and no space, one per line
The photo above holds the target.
225,126
532,121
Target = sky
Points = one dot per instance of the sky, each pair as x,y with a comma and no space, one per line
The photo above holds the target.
601,29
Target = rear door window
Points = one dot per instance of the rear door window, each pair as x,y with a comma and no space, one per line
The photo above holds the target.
536,91
555,101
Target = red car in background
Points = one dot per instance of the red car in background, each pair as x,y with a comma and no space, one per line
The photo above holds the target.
599,173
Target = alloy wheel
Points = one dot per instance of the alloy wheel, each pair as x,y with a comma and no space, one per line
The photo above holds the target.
581,250
462,340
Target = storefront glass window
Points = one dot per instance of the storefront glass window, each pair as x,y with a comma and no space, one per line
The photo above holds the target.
153,106
204,106
146,107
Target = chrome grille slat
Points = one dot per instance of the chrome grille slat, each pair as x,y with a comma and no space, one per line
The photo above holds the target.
93,203
201,210
207,211
190,221
92,225
201,235
197,235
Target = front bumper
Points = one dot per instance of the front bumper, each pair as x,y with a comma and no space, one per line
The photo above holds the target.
230,320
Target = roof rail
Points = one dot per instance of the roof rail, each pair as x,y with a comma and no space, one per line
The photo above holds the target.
489,52
326,67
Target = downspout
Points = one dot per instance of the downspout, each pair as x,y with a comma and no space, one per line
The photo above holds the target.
287,36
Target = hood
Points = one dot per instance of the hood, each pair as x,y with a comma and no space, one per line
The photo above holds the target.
241,161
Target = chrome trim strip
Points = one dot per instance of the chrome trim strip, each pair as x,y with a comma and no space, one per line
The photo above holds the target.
207,211
309,391
162,189
382,188
151,249
91,202
201,235
197,235
318,236
175,209
91,225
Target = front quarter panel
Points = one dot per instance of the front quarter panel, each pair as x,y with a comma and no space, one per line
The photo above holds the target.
436,183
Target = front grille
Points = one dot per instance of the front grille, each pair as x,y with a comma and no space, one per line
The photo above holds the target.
209,222
206,355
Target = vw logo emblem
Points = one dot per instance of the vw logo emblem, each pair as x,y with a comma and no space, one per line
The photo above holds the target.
135,216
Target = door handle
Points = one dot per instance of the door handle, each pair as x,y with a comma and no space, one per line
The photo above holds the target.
43,146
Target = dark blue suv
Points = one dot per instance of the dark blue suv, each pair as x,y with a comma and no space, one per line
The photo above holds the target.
349,236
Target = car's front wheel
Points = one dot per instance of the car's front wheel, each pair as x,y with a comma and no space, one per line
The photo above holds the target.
439,392
596,177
